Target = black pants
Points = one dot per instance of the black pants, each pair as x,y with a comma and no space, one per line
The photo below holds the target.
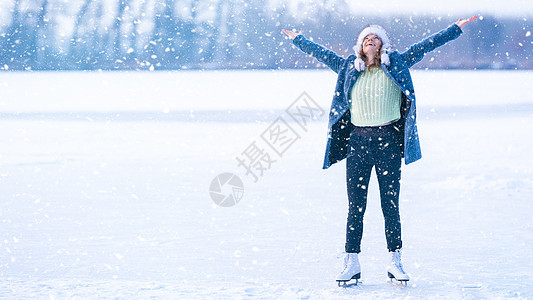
378,147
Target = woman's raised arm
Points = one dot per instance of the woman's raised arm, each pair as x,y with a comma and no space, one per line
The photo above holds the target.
323,55
416,52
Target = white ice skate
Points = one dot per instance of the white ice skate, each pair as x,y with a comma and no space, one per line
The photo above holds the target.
352,270
395,269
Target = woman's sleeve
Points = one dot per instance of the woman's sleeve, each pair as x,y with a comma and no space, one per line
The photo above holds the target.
417,51
323,55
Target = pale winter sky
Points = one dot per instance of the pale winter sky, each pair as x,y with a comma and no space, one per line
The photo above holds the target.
519,8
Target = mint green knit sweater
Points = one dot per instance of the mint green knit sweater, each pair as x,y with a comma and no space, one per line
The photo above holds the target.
375,99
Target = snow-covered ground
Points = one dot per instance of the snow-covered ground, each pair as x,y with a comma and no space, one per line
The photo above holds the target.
104,189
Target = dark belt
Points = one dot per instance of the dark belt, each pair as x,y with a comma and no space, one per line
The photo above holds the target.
390,129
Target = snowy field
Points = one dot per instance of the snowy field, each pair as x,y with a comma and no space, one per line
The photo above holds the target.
104,189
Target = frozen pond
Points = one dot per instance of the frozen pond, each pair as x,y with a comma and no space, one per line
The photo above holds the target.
236,90
104,189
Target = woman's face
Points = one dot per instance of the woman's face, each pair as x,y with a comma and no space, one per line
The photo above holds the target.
371,44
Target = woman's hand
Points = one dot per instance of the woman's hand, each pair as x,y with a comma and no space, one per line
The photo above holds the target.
462,22
291,34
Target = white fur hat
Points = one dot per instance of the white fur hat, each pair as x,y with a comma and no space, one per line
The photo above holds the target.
385,48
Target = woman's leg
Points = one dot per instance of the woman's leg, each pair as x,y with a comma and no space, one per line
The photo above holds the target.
388,170
358,172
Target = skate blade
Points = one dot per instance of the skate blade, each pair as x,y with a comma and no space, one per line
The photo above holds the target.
348,283
398,282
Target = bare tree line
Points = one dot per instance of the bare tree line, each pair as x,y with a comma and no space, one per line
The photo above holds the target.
220,34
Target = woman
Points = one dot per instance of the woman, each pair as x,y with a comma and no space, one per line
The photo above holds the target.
372,123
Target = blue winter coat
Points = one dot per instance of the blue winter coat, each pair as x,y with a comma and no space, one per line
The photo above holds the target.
340,124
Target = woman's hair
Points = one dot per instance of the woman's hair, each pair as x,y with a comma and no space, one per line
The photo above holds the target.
377,60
